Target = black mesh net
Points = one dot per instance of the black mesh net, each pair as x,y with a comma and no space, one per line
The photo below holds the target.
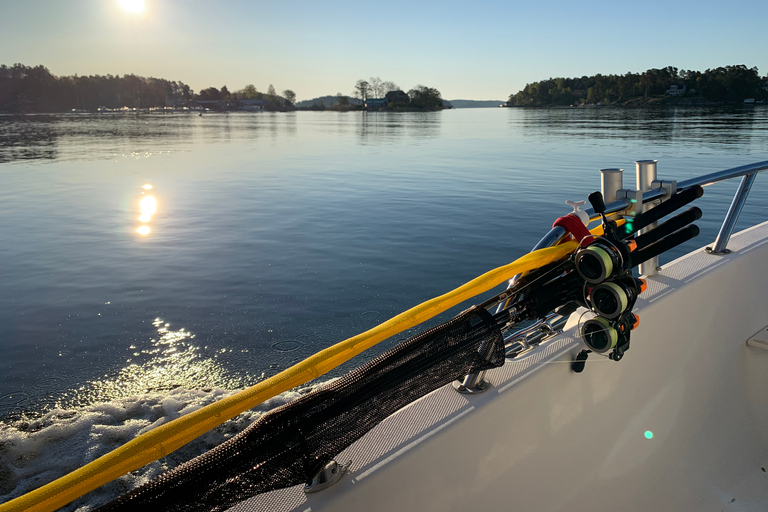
290,444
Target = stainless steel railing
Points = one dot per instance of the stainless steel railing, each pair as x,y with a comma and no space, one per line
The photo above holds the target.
746,172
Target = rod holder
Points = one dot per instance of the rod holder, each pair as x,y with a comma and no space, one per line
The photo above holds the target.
645,173
611,181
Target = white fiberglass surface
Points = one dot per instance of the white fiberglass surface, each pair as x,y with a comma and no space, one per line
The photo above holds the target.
678,424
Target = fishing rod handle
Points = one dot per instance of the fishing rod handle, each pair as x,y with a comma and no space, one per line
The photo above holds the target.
675,202
668,227
665,244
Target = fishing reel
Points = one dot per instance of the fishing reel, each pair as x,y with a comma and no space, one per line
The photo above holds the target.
598,261
613,298
604,336
599,274
607,264
607,256
608,332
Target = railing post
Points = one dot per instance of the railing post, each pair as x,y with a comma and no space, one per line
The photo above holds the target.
646,175
729,223
472,384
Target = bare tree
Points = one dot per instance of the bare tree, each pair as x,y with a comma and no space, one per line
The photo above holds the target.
389,87
271,91
362,89
376,88
290,96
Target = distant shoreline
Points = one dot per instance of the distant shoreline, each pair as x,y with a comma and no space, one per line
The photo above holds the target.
639,106
654,105
652,102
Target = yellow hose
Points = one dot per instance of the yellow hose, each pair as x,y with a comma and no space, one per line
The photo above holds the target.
166,438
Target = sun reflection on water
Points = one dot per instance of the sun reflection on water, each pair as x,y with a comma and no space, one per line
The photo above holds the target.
170,361
147,207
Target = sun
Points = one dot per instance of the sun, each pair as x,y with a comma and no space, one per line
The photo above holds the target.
132,5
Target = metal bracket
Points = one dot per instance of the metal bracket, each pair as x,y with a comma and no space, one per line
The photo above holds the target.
473,384
329,475
548,332
669,188
711,250
635,198
760,339
480,387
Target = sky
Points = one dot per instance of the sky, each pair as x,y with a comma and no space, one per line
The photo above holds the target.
487,49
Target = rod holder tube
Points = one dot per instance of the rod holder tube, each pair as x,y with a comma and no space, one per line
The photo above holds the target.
646,175
611,181
729,223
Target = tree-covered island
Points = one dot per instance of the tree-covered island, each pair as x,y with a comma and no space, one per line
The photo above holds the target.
729,84
31,89
376,94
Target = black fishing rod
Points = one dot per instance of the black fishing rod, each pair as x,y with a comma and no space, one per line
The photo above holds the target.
599,276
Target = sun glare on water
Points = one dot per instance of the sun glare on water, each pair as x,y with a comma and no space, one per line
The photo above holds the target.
132,5
148,207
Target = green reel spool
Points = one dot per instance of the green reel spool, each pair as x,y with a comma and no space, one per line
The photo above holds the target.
599,335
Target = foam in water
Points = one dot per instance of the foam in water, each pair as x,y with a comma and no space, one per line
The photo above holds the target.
33,453
103,415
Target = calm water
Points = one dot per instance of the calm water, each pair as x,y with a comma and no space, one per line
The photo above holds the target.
276,235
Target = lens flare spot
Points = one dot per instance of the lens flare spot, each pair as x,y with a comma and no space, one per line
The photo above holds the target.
147,187
143,230
648,434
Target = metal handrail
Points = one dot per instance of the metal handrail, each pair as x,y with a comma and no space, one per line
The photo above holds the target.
555,234
717,177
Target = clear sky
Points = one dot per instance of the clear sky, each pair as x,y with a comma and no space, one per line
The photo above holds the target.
485,49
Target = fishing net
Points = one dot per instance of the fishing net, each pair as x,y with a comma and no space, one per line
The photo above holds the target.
290,444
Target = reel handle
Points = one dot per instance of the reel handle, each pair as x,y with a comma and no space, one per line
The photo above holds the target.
596,200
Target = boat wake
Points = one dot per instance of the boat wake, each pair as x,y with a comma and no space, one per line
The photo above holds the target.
166,380
36,452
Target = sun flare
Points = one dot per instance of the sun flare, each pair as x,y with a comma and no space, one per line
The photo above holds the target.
132,5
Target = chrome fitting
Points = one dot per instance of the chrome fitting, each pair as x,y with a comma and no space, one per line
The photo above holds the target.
668,188
329,475
473,384
635,199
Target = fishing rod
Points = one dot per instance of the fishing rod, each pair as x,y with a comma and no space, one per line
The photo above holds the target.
598,275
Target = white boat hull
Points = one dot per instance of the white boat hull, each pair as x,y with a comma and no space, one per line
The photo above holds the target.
545,438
